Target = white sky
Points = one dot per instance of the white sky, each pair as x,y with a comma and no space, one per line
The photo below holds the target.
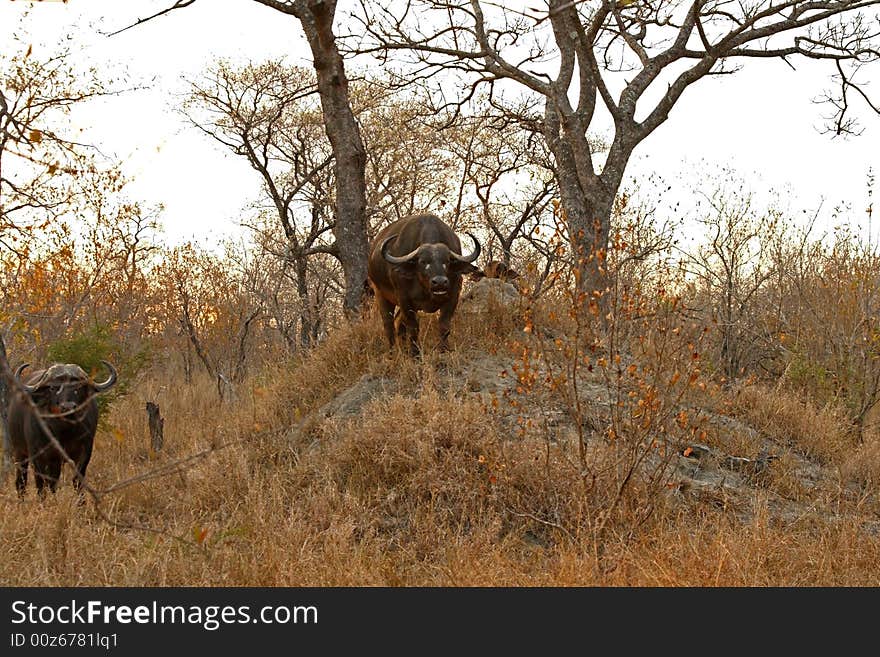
760,121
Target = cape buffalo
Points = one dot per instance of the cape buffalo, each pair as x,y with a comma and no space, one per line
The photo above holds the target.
416,264
495,269
63,396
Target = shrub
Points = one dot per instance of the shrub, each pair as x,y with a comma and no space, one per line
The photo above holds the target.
89,348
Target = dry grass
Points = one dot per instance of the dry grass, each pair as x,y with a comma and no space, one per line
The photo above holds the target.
792,420
424,487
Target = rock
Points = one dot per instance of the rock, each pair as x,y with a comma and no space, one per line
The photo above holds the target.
493,374
702,464
697,451
347,403
487,294
350,401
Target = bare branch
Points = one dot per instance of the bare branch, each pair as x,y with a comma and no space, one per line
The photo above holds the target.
179,4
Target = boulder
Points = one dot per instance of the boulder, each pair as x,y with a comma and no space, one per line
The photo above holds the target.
346,404
487,294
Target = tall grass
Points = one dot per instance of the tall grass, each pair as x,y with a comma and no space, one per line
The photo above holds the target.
430,485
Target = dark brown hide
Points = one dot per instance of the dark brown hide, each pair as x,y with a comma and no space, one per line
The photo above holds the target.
416,264
63,396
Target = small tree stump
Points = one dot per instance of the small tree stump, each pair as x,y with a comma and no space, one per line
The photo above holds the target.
157,423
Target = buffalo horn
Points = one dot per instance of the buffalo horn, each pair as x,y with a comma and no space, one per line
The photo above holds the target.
397,260
29,389
101,387
471,257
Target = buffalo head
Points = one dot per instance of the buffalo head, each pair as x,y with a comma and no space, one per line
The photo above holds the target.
496,269
432,264
64,388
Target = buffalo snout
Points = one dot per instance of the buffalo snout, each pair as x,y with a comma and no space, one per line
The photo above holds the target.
439,284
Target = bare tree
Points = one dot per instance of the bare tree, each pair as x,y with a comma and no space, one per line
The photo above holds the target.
134,243
41,161
732,269
407,161
291,291
350,159
189,328
504,170
208,304
349,156
262,112
577,55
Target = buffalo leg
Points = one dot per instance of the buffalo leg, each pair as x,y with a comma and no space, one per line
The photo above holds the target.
399,325
21,473
444,323
47,472
82,462
386,312
410,323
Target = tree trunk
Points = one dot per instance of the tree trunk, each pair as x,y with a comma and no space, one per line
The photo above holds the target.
190,330
157,426
586,197
350,229
187,363
306,317
587,215
589,223
239,370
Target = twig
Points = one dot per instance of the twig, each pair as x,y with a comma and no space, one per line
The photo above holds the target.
548,523
180,4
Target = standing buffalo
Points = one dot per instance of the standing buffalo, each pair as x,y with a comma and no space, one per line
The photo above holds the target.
416,264
63,396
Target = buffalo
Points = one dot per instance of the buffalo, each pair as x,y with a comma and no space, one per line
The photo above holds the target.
416,264
496,269
63,397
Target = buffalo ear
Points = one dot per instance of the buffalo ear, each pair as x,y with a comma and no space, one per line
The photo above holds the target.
477,275
406,269
460,267
40,394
